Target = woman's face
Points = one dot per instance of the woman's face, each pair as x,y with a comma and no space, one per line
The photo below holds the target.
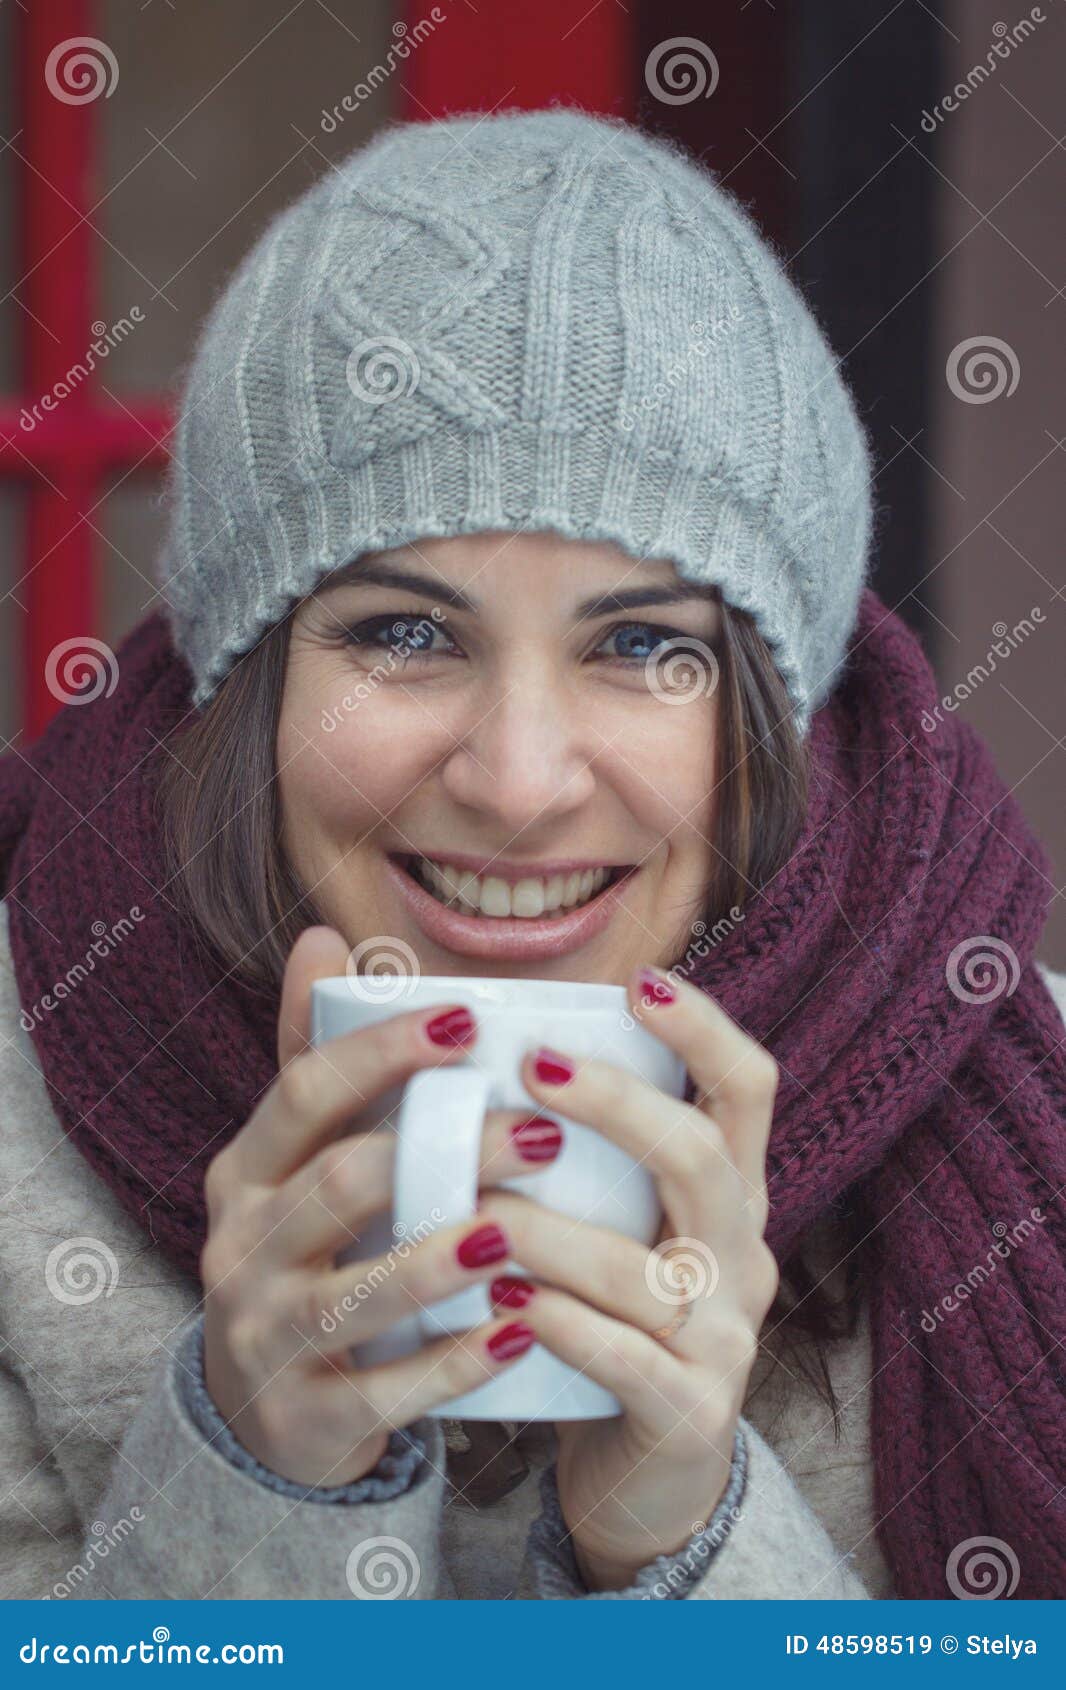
477,758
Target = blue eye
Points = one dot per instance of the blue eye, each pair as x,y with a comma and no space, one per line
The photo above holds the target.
637,640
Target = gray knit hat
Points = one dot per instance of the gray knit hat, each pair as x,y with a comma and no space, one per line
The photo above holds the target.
538,320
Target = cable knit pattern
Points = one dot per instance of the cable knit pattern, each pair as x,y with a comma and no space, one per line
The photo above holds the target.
517,320
394,1473
931,1090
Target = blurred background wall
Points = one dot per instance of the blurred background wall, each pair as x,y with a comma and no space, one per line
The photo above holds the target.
904,158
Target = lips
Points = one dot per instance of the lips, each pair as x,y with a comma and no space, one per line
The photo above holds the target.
453,925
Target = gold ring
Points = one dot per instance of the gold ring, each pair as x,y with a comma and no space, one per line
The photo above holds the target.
677,1323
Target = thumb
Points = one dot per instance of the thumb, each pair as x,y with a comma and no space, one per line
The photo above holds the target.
318,953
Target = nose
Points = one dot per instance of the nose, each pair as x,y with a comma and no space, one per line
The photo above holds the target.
523,758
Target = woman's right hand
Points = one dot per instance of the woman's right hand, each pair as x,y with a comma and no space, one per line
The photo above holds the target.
287,1194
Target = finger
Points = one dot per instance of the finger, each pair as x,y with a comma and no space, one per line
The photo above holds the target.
321,1208
606,1269
735,1077
318,954
680,1144
651,1383
400,1391
349,1304
322,1089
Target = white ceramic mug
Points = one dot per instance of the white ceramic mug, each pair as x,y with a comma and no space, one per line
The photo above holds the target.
438,1118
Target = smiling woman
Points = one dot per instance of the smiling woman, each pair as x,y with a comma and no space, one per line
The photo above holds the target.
530,715
516,629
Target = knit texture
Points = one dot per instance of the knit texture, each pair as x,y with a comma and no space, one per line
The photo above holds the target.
932,1092
529,320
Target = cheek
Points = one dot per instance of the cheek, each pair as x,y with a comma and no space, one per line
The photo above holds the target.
668,770
348,752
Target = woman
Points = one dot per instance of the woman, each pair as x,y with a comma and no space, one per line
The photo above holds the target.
515,623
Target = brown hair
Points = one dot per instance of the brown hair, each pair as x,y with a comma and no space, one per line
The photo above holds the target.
218,801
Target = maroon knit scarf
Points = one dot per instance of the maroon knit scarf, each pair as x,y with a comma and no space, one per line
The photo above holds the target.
926,1081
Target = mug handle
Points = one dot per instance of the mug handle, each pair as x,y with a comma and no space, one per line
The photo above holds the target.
438,1156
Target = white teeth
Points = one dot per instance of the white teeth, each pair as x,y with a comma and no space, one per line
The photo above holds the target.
498,898
528,897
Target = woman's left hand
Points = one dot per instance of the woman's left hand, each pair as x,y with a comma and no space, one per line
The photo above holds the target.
636,1486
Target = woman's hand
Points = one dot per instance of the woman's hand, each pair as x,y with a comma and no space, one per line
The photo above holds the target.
636,1486
288,1193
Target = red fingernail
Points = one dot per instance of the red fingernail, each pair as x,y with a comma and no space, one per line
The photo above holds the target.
454,1027
510,1341
487,1244
538,1139
553,1069
655,988
511,1292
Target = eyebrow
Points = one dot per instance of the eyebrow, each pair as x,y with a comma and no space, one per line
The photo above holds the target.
374,574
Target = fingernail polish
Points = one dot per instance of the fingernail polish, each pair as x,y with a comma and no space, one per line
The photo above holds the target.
454,1027
656,988
552,1068
537,1139
511,1341
512,1293
487,1244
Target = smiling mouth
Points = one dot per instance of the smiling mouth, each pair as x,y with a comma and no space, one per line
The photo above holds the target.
493,898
